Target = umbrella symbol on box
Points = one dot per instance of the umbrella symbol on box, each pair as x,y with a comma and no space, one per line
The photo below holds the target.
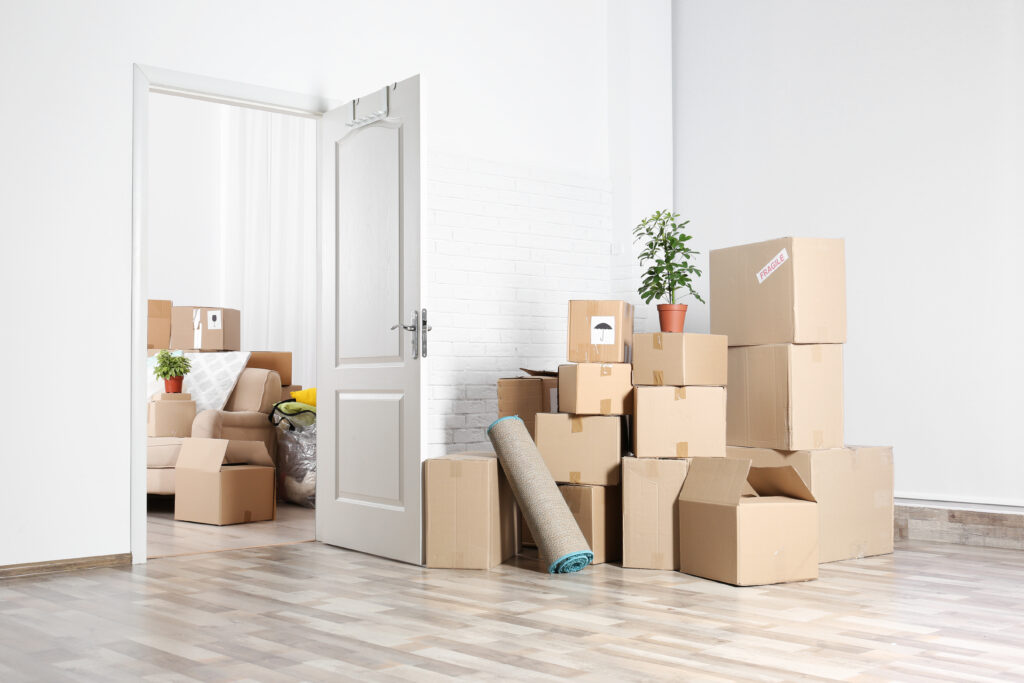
602,326
602,332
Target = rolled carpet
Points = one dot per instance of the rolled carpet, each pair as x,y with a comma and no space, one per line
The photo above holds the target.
559,540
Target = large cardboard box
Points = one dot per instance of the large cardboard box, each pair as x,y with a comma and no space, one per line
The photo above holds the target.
595,389
788,290
679,422
158,324
678,359
170,415
854,490
786,396
598,512
527,396
224,482
580,449
745,525
206,329
469,511
278,361
650,519
600,332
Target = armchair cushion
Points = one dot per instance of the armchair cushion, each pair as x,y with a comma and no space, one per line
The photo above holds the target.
256,390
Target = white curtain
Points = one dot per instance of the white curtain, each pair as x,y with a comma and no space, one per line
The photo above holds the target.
268,232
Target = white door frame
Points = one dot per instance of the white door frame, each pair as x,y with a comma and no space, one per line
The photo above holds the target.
148,80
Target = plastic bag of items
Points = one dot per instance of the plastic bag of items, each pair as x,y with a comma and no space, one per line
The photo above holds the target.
296,451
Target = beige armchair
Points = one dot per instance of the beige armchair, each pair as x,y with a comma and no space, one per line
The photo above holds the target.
244,418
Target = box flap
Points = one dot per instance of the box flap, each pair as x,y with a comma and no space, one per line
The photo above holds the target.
715,480
207,455
779,481
248,453
540,373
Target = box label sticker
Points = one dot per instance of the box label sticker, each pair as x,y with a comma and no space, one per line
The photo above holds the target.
602,329
772,265
197,329
214,320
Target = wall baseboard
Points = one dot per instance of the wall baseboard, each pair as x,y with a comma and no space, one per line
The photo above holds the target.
54,566
990,526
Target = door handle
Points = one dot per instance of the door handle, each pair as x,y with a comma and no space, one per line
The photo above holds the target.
424,328
413,327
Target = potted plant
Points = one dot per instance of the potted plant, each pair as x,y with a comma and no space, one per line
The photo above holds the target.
172,370
664,241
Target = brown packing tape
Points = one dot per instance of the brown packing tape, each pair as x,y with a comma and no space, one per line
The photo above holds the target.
576,424
659,377
606,406
606,370
574,477
682,448
680,393
656,341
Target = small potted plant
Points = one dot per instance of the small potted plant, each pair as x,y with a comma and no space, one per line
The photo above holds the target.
172,370
664,241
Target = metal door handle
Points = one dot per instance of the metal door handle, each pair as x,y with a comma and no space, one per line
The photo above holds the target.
407,328
424,328
413,327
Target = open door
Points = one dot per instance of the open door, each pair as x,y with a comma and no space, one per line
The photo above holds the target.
369,353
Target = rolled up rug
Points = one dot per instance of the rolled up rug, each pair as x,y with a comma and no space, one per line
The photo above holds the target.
561,544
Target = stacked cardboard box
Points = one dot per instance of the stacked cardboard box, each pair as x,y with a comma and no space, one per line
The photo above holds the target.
527,396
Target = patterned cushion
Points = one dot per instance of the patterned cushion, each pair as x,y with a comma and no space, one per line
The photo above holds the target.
213,377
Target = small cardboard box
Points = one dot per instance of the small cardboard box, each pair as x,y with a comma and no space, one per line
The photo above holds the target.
650,493
595,389
286,392
206,329
679,422
854,490
580,449
170,415
158,324
788,290
679,359
786,396
598,512
527,396
278,361
224,482
747,526
469,511
600,332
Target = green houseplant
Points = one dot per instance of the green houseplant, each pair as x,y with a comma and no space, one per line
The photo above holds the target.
671,271
172,370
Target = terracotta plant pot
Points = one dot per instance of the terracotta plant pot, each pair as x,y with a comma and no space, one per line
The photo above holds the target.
173,385
672,317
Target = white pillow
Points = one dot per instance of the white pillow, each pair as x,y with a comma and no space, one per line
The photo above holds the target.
213,377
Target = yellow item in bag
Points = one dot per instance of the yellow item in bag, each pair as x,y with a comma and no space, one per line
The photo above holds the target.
305,396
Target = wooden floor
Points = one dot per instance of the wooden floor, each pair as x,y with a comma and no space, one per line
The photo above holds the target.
312,612
168,538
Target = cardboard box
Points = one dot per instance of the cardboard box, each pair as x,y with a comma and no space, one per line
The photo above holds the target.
679,359
786,396
747,526
170,415
581,449
171,397
679,422
598,511
600,332
595,389
788,290
278,361
650,519
854,490
527,396
224,482
286,392
158,324
206,329
469,510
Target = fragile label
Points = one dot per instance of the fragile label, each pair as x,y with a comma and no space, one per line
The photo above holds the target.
602,329
772,266
214,320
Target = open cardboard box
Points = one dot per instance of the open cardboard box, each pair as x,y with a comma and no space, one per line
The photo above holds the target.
224,482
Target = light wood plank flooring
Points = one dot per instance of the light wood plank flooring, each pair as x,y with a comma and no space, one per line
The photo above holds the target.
312,612
168,538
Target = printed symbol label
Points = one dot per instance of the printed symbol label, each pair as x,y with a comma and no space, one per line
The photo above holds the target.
602,329
772,266
214,320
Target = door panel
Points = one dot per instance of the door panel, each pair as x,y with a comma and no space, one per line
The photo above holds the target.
369,378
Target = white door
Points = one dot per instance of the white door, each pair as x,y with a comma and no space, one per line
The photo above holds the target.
369,365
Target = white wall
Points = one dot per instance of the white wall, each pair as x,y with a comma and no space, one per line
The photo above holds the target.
520,83
897,125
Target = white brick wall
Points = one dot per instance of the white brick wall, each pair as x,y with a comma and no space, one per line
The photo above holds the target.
506,248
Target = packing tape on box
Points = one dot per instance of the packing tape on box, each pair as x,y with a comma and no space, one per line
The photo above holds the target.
682,448
656,341
659,377
819,438
816,353
606,406
606,370
575,425
680,394
574,477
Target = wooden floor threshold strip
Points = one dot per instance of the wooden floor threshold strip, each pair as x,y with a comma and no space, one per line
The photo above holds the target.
74,564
